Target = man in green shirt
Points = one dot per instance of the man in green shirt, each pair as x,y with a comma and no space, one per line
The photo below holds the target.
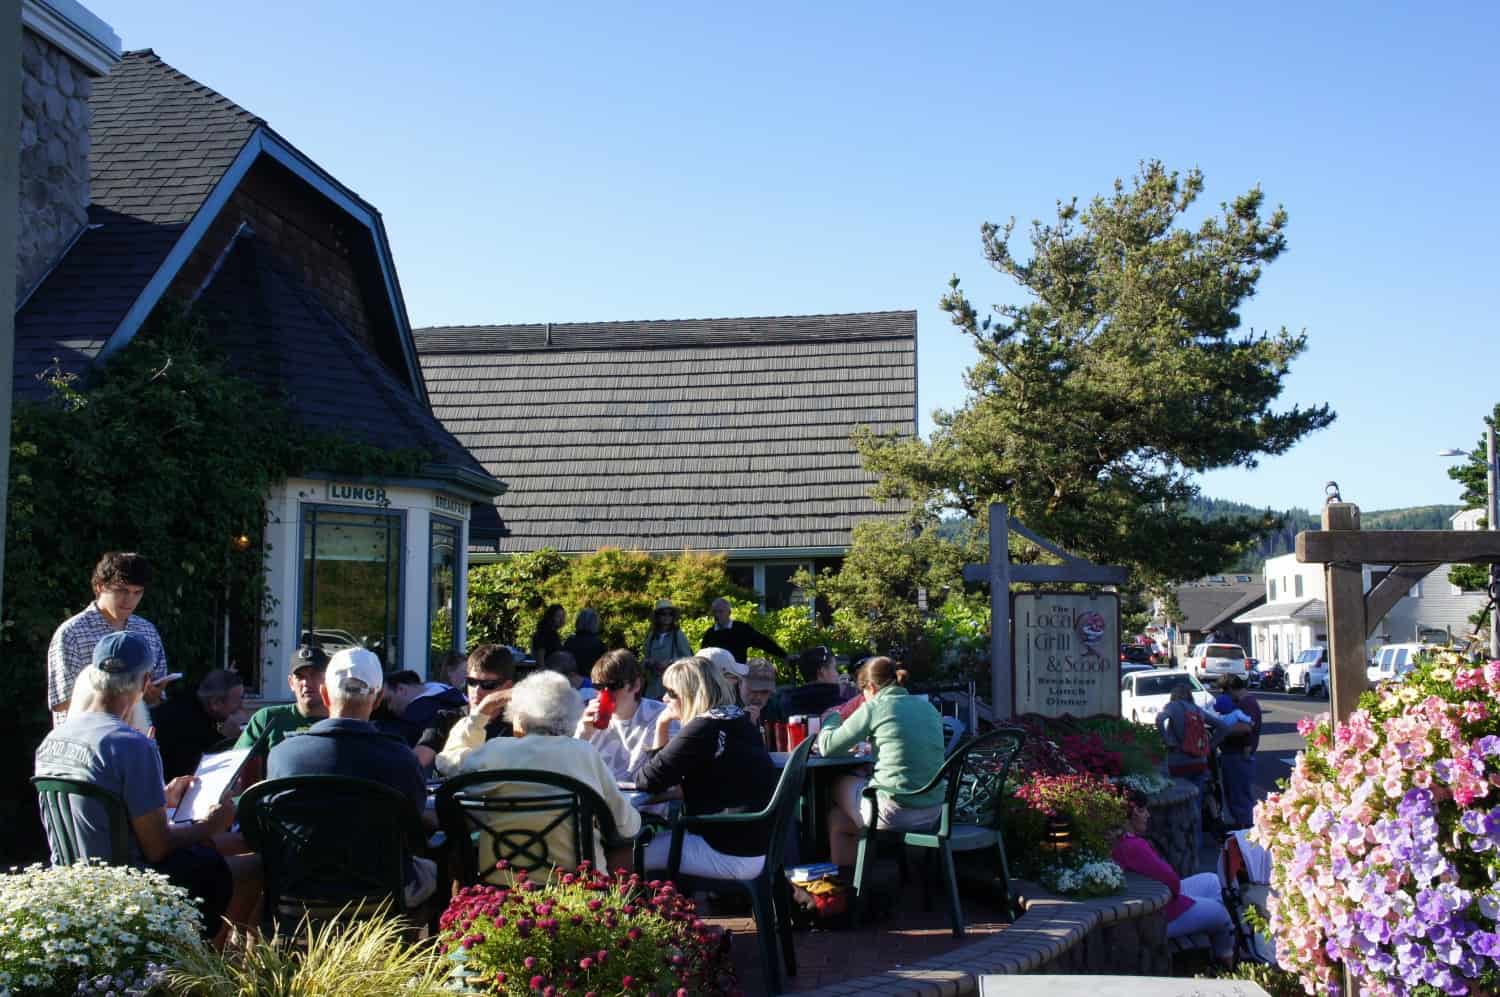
306,683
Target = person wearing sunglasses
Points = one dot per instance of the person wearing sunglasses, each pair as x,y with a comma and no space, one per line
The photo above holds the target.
665,641
492,673
624,737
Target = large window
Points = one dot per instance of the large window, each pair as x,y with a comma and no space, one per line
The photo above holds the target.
442,594
351,580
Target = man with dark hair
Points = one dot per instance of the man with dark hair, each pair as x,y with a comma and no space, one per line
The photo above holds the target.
410,705
492,673
119,582
736,636
821,690
306,684
1237,754
188,726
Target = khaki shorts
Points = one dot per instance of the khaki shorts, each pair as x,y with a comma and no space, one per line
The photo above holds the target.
893,815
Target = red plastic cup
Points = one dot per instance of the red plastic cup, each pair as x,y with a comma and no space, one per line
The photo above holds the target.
796,733
606,710
779,731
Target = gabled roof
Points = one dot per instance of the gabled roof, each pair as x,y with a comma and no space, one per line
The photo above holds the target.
1309,610
279,336
166,154
159,140
711,434
1203,606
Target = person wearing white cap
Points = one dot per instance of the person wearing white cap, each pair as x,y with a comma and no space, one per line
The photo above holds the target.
733,671
348,744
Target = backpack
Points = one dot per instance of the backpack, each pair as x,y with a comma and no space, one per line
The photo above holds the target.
1195,740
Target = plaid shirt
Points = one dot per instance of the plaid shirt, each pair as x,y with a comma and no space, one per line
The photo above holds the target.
72,650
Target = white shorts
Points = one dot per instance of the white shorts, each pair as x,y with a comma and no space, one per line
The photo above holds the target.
421,881
699,858
893,815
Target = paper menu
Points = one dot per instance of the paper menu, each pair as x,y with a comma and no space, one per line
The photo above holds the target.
216,773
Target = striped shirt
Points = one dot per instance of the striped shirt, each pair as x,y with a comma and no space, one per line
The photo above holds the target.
72,650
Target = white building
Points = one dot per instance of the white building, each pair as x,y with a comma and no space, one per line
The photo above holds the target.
1295,615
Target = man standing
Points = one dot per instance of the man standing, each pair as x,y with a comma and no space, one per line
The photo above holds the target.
1237,755
348,744
188,726
119,582
735,636
98,747
306,683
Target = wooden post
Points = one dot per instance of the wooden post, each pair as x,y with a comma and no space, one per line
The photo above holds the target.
1347,662
1002,675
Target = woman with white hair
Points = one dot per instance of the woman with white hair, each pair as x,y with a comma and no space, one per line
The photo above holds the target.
544,710
720,761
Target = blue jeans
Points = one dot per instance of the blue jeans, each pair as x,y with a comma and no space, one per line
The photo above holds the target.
1238,772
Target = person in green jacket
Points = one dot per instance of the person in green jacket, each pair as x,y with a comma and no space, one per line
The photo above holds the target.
906,734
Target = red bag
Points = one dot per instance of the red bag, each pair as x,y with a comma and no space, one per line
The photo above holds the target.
1195,741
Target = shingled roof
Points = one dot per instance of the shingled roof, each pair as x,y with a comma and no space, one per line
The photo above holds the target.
1207,606
278,335
707,434
159,140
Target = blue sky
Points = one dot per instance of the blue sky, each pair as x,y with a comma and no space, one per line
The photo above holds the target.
611,161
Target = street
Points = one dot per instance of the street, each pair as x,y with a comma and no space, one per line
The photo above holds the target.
1279,740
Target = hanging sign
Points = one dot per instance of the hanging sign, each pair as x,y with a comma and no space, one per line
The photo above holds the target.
358,494
1067,653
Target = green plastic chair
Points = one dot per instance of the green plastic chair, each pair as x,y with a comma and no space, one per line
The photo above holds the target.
969,819
332,846
486,828
770,894
54,798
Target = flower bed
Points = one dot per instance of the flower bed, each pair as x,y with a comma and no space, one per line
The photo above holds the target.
583,933
1385,841
1089,808
91,928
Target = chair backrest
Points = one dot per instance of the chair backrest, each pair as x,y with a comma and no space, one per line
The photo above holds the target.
55,797
976,773
782,809
486,827
329,842
953,732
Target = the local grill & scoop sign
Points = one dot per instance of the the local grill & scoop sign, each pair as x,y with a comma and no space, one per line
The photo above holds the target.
1067,653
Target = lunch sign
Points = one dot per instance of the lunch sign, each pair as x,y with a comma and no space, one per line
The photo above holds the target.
1066,653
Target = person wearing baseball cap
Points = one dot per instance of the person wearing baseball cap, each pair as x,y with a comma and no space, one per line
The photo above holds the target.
97,746
275,723
733,671
348,744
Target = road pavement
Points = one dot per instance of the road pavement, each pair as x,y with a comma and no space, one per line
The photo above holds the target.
1279,740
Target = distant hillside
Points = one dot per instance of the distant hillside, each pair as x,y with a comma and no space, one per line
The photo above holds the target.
1283,541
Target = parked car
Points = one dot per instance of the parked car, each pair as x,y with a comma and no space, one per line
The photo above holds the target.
1393,661
1212,661
1138,654
1308,672
1268,675
1130,668
1143,694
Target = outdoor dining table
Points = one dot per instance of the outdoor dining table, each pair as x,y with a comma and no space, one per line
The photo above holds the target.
812,837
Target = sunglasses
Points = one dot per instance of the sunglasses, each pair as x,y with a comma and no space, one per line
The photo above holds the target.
613,686
488,685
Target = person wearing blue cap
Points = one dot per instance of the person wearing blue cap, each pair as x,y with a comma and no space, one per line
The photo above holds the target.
96,745
119,582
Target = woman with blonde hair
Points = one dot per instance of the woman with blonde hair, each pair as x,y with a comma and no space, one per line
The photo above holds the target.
906,734
720,761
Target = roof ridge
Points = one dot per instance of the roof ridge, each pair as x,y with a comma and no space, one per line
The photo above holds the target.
661,321
149,56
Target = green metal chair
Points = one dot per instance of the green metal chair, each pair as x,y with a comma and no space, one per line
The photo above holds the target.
332,846
54,798
969,818
770,894
487,827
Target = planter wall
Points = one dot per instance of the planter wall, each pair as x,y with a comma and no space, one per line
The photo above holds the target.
1176,826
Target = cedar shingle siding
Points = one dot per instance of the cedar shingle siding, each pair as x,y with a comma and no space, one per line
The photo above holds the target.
715,434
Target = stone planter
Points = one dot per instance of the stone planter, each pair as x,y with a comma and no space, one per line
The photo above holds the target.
1176,825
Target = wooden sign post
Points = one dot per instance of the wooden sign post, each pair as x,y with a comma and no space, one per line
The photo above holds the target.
999,572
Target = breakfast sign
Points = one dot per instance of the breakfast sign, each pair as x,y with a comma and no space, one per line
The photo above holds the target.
1066,653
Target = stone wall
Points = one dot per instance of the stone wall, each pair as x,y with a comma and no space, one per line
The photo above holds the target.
54,165
1176,826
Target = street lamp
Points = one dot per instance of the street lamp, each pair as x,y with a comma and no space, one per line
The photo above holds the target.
1491,494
